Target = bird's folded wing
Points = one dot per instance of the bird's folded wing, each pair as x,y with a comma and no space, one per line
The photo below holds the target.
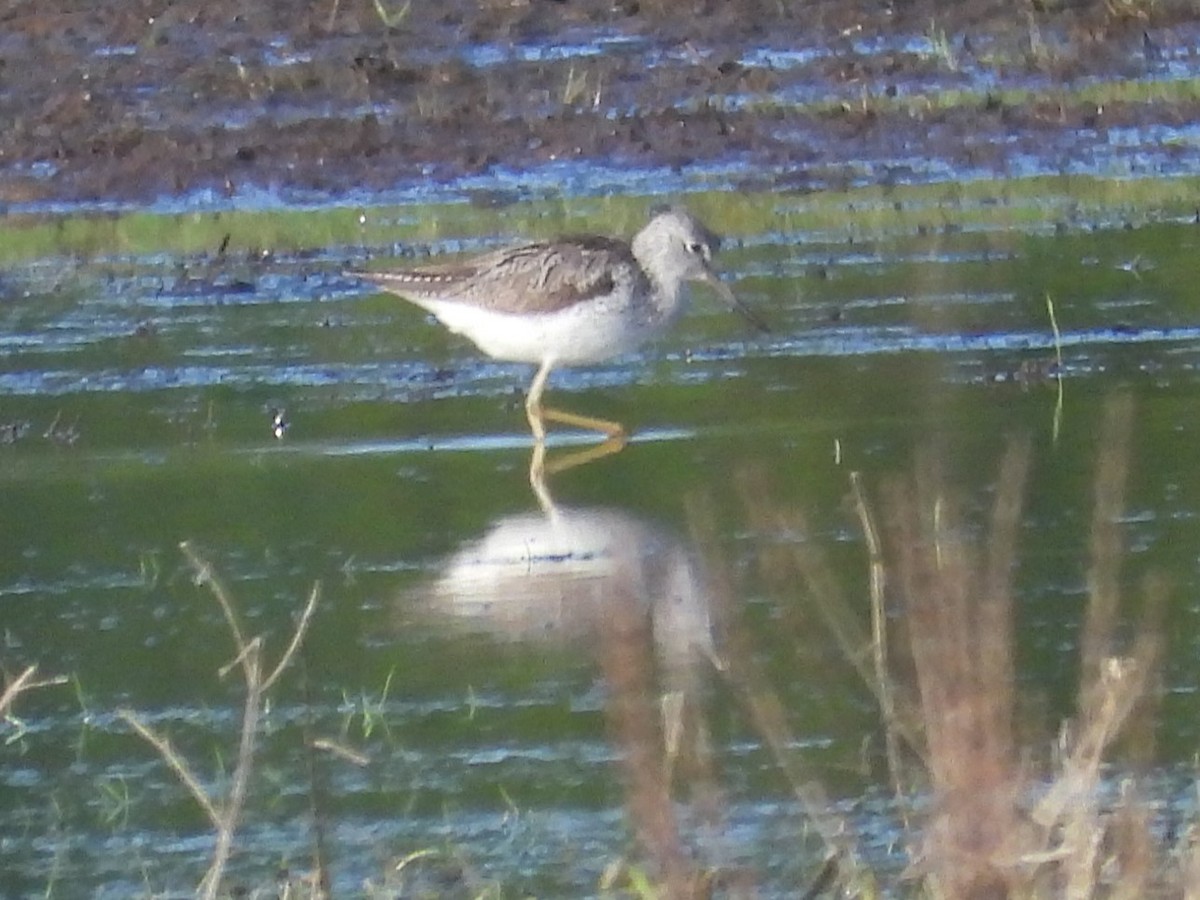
532,278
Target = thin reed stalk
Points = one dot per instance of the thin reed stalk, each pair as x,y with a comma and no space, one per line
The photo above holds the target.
957,609
226,813
633,720
939,658
22,684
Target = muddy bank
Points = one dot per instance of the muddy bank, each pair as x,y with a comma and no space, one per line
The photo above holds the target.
133,100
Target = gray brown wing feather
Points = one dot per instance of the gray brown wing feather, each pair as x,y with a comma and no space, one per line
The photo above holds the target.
531,278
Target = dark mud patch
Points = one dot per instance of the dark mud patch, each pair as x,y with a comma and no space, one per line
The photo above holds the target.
138,100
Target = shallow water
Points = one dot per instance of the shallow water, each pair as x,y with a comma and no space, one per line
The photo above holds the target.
470,642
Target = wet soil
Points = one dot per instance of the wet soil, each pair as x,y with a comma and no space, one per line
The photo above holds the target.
135,100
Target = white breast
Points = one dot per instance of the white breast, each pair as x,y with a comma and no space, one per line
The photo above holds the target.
584,333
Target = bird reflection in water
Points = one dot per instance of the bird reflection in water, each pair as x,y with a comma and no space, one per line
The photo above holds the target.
559,572
606,579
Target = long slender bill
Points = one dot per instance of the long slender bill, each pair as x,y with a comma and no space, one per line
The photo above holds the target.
733,303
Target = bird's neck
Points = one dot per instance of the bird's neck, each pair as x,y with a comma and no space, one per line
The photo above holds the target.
670,294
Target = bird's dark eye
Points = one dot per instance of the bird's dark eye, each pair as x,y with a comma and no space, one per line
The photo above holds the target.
696,248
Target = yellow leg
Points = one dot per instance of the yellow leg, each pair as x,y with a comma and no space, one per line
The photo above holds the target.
537,414
615,430
582,457
537,477
533,401
540,468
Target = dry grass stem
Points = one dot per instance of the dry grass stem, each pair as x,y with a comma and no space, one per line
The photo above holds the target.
24,683
178,765
15,688
341,751
940,661
879,640
298,633
767,712
226,814
957,611
634,726
205,574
